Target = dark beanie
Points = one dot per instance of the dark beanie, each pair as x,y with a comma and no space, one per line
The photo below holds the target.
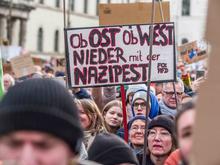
109,149
41,105
163,121
138,117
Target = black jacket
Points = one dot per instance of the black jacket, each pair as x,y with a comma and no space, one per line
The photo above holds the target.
148,160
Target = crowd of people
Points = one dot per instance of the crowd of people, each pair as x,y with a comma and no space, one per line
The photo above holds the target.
42,122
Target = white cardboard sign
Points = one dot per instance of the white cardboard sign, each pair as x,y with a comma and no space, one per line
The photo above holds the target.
113,55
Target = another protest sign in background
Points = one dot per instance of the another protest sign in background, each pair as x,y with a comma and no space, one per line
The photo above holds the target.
132,13
113,55
193,51
22,66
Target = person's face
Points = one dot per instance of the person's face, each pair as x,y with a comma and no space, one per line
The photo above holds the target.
7,84
84,118
136,133
113,116
34,148
159,141
140,107
168,95
184,132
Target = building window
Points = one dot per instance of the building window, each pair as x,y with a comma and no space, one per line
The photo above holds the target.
109,1
85,6
72,5
97,7
185,7
58,3
56,41
40,40
41,1
185,40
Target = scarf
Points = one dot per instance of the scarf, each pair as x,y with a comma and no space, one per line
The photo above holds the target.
89,136
165,110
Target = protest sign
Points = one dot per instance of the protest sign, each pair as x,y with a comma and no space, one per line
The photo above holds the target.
206,132
132,13
113,55
22,66
193,51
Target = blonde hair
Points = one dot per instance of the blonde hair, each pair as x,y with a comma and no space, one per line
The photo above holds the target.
10,78
93,112
113,103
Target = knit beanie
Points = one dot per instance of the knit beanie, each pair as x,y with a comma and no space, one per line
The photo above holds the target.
163,121
142,94
109,149
41,105
138,117
134,88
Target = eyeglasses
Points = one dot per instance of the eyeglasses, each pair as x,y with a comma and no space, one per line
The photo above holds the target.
136,128
142,105
162,134
171,93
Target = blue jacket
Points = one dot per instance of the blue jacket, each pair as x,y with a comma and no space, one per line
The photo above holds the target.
154,110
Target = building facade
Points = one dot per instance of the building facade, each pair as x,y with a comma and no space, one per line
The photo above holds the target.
37,25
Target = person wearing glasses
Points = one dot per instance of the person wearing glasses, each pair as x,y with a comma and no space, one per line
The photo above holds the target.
136,127
168,102
139,104
161,140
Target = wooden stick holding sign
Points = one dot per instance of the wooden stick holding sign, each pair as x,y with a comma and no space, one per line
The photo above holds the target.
65,40
64,13
149,82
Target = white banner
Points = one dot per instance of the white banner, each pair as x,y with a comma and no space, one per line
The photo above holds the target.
113,55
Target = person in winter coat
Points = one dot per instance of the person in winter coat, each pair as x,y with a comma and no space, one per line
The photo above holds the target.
136,128
91,120
139,104
167,103
161,140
